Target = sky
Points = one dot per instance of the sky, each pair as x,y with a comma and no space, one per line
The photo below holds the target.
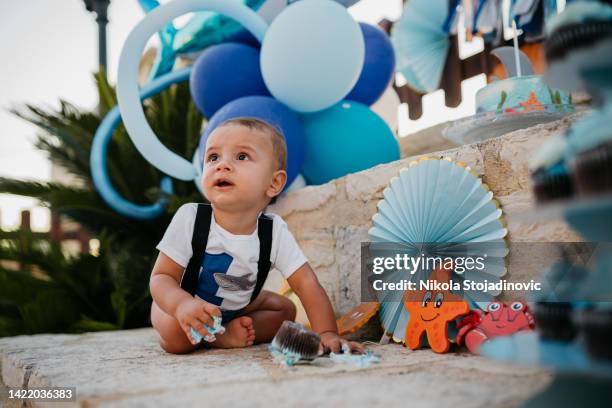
48,52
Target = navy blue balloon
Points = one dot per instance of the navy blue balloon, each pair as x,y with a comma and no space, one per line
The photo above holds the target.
243,36
225,72
378,66
271,111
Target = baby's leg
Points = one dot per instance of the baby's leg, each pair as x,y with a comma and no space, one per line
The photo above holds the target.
268,312
172,337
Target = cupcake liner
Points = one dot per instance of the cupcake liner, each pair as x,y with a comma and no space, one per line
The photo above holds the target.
568,38
596,329
593,170
554,321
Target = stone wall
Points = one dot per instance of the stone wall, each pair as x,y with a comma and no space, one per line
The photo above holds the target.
330,221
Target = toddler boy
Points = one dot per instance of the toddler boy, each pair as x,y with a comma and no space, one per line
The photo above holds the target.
244,169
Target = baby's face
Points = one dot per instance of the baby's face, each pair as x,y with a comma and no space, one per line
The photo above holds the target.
240,169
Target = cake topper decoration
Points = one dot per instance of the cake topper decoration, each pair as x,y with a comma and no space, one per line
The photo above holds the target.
508,57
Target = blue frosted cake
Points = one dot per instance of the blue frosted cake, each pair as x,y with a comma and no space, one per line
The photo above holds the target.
520,94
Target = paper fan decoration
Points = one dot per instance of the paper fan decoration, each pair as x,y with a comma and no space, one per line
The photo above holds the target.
437,208
421,43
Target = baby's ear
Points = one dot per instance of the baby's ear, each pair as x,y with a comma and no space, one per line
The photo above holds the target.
279,178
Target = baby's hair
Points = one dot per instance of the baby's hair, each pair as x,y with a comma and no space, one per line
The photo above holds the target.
278,140
279,147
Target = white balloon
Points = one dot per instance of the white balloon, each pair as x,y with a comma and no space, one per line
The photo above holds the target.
387,107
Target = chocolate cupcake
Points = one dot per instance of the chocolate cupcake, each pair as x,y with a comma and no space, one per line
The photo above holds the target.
551,178
595,326
557,300
554,321
553,183
589,150
594,320
580,25
593,170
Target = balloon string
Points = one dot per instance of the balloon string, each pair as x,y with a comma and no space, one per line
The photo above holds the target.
516,50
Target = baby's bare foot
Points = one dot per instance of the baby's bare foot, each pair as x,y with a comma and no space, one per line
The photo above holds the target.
238,333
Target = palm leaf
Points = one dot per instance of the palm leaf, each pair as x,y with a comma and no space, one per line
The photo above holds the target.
43,289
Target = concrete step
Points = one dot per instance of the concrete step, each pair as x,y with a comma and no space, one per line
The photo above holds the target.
129,369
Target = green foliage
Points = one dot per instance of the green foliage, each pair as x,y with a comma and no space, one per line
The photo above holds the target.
44,290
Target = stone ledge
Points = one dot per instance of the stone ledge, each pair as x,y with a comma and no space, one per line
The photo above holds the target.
128,368
330,221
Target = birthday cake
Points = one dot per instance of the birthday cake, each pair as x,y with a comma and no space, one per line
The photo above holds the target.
518,102
520,94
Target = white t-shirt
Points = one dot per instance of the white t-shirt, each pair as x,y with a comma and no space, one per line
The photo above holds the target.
228,274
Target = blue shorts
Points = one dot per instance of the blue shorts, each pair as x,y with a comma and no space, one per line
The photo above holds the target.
229,315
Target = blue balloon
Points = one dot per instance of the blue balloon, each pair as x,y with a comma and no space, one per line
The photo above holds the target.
378,66
312,55
99,148
243,36
269,110
128,94
202,30
223,73
346,138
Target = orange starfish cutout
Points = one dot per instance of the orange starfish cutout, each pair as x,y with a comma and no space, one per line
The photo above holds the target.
532,104
431,311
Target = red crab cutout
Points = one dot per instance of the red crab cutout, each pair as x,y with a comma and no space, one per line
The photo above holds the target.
430,312
499,320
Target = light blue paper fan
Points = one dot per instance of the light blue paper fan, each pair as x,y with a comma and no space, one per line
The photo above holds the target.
437,207
420,40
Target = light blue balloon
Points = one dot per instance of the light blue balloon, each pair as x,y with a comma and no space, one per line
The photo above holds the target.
202,30
128,94
166,56
99,149
346,138
312,55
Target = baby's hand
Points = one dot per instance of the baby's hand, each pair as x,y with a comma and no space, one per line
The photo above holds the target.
330,341
196,313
